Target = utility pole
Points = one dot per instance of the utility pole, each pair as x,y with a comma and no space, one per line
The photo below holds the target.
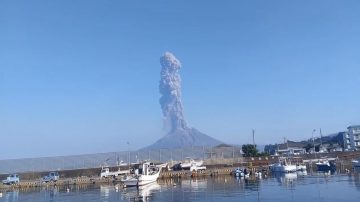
320,137
253,136
312,134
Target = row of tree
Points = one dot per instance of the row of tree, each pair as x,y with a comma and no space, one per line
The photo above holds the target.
250,150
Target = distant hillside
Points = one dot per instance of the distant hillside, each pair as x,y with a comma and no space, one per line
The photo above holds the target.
184,138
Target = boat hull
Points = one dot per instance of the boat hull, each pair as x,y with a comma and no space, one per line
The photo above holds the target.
141,180
283,168
324,167
301,168
356,164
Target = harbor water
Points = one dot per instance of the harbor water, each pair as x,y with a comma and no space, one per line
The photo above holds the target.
282,187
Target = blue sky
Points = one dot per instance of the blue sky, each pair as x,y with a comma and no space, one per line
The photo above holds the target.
82,76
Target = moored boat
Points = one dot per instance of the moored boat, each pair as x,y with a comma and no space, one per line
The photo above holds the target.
300,167
325,165
355,164
146,173
238,172
191,162
283,166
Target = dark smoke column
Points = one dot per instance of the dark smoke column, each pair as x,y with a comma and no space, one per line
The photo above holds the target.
170,89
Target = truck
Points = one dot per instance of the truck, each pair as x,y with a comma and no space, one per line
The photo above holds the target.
105,172
12,179
52,177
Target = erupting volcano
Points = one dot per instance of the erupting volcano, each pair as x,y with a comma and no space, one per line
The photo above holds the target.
178,133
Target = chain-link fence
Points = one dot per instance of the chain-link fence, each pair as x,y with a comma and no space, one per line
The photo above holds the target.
225,154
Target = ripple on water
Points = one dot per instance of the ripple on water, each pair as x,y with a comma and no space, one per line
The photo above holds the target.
284,187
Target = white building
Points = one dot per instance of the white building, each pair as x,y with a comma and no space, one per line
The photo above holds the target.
354,136
346,140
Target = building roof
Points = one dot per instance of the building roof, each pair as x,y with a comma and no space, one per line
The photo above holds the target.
290,144
353,126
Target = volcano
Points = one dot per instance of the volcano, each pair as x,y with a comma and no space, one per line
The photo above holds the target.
179,134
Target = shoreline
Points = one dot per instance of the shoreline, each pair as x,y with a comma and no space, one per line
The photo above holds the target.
214,167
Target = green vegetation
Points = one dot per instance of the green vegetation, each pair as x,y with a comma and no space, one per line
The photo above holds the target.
250,150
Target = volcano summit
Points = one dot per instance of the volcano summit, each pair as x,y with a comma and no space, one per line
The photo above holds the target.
178,133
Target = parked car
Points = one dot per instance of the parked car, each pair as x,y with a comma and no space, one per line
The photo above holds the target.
52,177
12,179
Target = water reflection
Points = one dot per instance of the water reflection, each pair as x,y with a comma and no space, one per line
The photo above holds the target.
278,187
195,184
11,196
355,179
105,191
142,193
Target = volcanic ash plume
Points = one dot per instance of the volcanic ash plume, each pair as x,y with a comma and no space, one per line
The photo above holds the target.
179,135
170,89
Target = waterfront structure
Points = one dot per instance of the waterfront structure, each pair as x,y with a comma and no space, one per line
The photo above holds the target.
346,141
290,148
290,151
354,135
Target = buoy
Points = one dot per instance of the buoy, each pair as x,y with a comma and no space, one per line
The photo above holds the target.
174,184
116,188
68,190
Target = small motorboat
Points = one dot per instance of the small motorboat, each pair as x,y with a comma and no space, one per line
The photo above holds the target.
325,165
300,167
189,162
238,172
283,166
356,164
146,173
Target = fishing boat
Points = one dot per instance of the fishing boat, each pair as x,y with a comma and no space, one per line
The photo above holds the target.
300,167
283,166
324,165
146,173
356,164
238,172
191,162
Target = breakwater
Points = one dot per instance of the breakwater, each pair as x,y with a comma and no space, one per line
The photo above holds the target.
214,167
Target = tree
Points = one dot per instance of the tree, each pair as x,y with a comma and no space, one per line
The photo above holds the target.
308,147
249,150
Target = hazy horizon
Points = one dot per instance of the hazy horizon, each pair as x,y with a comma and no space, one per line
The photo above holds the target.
80,77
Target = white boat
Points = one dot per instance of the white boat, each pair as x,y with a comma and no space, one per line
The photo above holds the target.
195,167
145,174
283,167
143,193
355,163
325,165
105,172
190,162
238,172
300,167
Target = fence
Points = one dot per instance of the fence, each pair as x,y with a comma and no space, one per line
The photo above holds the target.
224,154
